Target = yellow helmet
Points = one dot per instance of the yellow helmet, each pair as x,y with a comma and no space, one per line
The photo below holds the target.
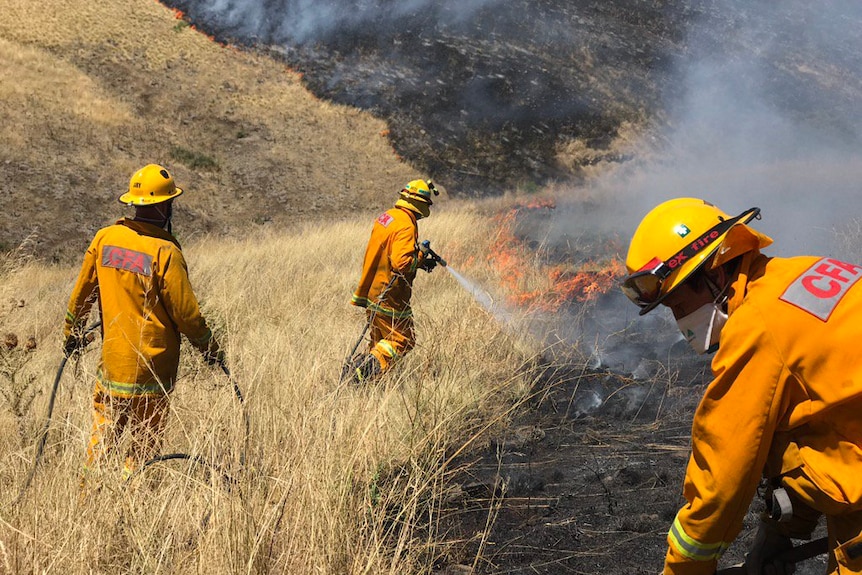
678,236
419,190
152,184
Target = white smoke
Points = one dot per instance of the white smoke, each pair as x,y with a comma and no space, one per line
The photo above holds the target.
301,21
773,122
764,110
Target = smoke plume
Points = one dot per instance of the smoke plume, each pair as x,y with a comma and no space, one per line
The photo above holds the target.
766,112
750,102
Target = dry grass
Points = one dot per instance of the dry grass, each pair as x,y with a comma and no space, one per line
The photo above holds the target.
91,91
281,188
337,479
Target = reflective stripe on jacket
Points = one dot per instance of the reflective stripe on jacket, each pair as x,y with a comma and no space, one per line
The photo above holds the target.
391,256
786,394
139,275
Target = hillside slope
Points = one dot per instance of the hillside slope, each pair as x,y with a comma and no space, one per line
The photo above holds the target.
90,91
489,95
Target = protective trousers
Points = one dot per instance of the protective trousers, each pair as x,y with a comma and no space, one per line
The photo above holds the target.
391,338
143,415
843,524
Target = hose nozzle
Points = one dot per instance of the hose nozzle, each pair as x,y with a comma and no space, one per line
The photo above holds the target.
425,248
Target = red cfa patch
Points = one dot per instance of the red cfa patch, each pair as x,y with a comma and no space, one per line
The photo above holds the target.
820,288
384,219
129,260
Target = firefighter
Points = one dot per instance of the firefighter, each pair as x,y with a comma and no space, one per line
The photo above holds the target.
782,410
136,270
385,288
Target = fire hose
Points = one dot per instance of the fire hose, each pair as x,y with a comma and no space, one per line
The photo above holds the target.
348,361
796,555
86,339
425,248
197,459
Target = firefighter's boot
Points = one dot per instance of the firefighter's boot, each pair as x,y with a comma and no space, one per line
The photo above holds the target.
367,370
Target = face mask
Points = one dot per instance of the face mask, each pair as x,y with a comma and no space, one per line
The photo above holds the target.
702,327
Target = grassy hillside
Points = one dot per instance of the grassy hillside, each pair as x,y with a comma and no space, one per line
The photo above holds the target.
90,91
280,191
337,480
281,188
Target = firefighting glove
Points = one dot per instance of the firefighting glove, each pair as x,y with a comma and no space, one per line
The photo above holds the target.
427,264
73,345
763,557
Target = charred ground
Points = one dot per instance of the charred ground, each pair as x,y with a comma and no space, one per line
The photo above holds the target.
487,96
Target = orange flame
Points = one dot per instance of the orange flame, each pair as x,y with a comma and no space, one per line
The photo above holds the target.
560,283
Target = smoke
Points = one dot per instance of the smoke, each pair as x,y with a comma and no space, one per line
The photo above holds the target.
766,112
772,119
479,94
303,21
756,103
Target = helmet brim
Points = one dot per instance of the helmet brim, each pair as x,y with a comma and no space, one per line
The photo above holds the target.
132,200
417,197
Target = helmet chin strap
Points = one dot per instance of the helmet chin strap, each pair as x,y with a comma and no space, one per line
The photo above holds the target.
719,294
164,222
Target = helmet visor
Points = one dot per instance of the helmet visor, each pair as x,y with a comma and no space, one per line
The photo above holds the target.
644,287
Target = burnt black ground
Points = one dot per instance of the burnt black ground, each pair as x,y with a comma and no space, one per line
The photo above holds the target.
483,94
583,486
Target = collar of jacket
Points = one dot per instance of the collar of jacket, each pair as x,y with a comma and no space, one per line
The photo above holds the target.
751,267
146,229
408,212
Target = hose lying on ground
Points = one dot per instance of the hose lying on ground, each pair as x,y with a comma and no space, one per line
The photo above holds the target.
43,436
228,480
198,459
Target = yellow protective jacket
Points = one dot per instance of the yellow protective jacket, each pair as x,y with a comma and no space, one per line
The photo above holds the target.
786,394
139,275
392,256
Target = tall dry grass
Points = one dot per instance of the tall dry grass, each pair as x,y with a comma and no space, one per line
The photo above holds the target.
337,479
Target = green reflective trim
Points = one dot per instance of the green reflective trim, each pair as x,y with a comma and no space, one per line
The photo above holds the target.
123,389
359,301
387,347
69,317
376,308
691,547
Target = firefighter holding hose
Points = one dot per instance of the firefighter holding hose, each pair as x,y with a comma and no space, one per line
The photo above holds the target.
137,272
385,288
783,408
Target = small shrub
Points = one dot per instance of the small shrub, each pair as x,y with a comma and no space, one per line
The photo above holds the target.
192,159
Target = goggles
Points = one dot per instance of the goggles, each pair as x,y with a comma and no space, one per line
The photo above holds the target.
643,287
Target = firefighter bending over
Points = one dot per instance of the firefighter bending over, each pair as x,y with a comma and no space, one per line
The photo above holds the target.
385,288
783,407
136,270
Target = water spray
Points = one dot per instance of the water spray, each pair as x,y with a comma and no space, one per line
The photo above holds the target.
478,294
